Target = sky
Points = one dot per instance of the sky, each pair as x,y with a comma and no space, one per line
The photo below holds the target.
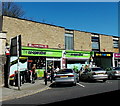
95,17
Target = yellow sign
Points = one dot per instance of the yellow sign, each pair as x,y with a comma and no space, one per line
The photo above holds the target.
99,54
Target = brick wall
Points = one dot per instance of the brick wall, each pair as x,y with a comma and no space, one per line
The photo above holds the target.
2,56
116,50
53,36
2,62
33,32
82,40
106,43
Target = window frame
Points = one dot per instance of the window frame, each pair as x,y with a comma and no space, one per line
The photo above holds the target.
71,36
95,39
115,43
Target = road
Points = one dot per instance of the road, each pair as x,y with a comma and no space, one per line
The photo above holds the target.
69,93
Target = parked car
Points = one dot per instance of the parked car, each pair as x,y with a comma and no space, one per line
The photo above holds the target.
66,76
94,73
113,72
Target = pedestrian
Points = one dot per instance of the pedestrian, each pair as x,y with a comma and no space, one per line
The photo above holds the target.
23,76
33,72
52,73
16,78
82,69
57,69
86,68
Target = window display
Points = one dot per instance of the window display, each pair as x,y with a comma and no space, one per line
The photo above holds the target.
39,61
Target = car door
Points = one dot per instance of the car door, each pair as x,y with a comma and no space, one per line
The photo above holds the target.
84,75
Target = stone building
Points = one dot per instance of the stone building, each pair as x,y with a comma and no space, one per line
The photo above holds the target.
54,36
73,42
2,56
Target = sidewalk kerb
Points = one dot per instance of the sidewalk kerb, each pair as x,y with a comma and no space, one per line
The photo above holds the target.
27,94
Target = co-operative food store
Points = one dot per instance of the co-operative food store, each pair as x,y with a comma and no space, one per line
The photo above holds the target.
45,58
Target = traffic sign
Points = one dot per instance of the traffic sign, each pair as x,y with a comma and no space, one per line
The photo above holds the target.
15,50
15,45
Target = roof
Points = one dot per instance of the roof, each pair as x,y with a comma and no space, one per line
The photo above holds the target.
62,27
34,21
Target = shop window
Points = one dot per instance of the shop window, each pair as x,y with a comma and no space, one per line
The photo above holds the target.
69,41
39,61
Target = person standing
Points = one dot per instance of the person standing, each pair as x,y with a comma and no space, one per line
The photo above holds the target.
57,69
33,72
82,69
52,73
86,68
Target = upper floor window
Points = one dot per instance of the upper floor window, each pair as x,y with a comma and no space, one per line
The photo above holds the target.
69,41
95,42
115,42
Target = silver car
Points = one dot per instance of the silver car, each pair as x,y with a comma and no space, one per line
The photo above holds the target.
66,76
114,73
95,73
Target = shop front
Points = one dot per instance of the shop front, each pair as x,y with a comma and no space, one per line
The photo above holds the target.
116,60
103,59
44,58
75,59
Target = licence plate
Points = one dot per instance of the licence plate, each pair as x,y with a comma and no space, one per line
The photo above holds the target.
100,73
64,77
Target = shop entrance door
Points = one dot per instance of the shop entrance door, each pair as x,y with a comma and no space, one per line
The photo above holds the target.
53,62
116,63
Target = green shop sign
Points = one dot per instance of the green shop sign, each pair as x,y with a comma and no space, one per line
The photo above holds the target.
28,51
78,54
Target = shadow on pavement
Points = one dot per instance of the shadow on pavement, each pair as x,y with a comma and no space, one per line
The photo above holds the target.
94,100
92,81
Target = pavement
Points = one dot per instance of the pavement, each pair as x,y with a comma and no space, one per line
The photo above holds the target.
68,94
25,90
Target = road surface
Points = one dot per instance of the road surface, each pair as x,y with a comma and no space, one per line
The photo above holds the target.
71,94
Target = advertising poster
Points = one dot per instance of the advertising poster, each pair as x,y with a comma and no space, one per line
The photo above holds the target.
13,64
76,67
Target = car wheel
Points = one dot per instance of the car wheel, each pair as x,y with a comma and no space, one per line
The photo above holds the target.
90,79
82,77
74,83
114,78
104,80
110,77
77,80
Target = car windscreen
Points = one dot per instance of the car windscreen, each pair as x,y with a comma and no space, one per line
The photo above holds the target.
97,69
116,68
65,71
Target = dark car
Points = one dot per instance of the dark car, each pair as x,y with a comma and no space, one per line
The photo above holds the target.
113,72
